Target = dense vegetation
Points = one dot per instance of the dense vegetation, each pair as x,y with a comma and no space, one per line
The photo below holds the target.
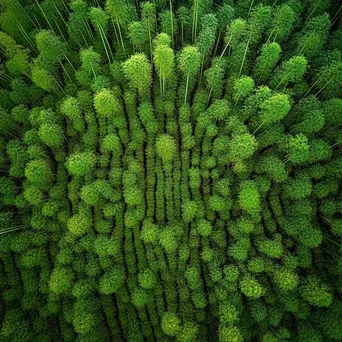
170,170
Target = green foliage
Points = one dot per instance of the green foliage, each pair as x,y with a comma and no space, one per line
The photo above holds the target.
243,87
50,47
78,164
137,69
298,148
90,66
170,324
274,109
204,227
170,170
273,167
39,172
163,58
61,280
230,333
79,224
266,62
242,146
290,71
149,232
106,105
168,240
316,292
89,194
165,147
273,249
250,287
190,210
111,281
228,314
249,199
298,188
147,279
189,61
51,135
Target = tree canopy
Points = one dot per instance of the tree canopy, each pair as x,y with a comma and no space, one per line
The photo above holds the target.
170,170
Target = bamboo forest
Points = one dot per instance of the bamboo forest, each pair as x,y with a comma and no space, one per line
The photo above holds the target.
171,170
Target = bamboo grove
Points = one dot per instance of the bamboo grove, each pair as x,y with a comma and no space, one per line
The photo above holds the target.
170,170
